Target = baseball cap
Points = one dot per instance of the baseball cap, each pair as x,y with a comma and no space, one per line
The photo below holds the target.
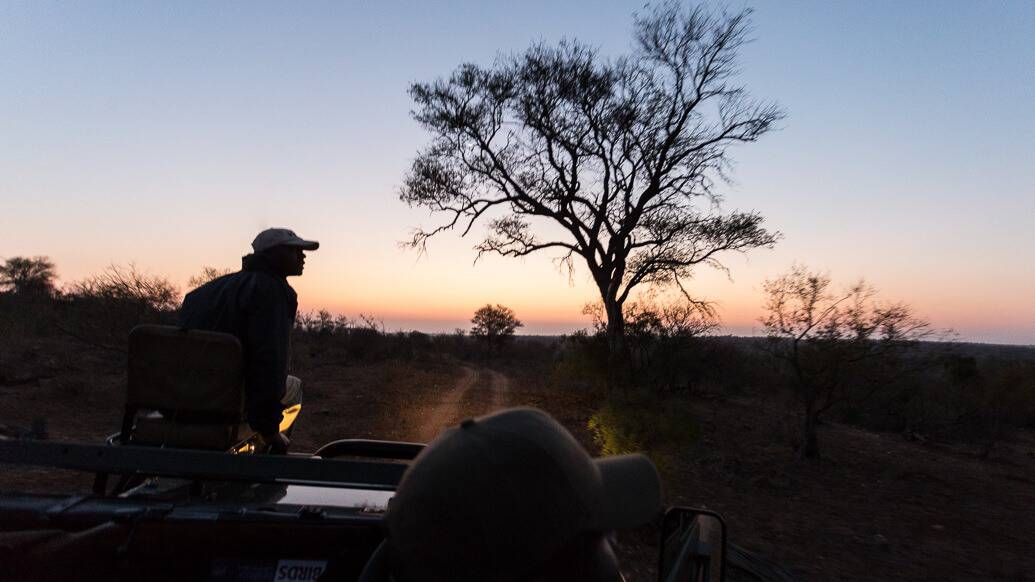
275,237
496,497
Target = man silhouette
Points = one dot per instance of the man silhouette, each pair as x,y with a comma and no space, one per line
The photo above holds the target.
258,306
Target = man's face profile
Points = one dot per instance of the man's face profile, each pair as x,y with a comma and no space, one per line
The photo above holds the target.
288,260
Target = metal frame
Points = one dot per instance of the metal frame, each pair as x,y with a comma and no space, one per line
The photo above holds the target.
204,465
370,448
686,546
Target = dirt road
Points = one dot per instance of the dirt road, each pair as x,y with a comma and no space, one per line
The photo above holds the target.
477,391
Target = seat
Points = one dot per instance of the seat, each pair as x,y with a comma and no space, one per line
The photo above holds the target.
185,389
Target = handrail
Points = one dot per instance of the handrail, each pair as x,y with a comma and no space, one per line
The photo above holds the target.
370,448
204,465
692,547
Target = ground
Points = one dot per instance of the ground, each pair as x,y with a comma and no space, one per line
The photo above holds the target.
876,506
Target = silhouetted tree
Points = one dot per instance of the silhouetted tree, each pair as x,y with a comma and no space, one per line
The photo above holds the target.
29,276
207,274
323,322
494,325
834,346
616,159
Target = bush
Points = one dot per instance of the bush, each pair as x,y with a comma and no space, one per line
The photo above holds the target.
640,422
207,274
25,315
581,363
126,286
664,340
955,393
102,309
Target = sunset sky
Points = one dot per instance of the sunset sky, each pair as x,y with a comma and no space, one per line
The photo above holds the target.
168,134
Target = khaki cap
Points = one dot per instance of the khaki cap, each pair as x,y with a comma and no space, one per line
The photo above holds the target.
496,497
275,237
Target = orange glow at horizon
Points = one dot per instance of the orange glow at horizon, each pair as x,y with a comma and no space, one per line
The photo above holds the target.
440,295
351,275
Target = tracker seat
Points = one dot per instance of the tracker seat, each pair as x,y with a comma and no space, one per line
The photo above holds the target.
185,389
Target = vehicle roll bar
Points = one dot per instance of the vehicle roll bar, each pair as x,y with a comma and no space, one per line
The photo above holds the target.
370,448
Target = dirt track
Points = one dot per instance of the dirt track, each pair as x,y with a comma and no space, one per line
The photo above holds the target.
477,391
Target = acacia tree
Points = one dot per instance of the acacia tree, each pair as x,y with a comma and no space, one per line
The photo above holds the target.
28,275
617,159
834,346
494,324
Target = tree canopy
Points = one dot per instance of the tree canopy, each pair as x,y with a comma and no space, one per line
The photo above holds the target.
612,163
494,324
28,275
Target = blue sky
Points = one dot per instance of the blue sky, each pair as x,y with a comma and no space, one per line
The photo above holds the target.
167,134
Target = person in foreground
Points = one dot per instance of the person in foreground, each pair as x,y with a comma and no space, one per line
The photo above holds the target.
257,305
512,496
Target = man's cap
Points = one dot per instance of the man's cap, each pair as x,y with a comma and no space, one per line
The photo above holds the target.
499,495
275,237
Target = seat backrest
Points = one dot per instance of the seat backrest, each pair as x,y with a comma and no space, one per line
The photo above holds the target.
172,369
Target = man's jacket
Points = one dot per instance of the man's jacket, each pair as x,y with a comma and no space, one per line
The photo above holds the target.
257,305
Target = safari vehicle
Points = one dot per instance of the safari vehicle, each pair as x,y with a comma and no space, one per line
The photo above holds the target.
192,500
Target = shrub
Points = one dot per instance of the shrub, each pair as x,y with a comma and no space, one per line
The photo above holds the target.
207,274
663,340
581,363
126,286
640,422
102,309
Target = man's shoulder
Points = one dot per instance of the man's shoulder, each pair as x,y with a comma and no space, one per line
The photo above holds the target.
213,285
266,286
265,279
247,286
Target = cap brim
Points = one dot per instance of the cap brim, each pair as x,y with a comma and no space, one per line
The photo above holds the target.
309,245
632,490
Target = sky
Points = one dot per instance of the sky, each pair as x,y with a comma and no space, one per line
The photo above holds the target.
168,134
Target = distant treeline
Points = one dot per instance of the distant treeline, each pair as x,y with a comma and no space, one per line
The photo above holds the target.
975,393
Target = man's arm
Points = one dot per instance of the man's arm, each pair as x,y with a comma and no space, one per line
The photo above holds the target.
266,345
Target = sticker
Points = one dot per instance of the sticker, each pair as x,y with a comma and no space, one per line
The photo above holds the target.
299,570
